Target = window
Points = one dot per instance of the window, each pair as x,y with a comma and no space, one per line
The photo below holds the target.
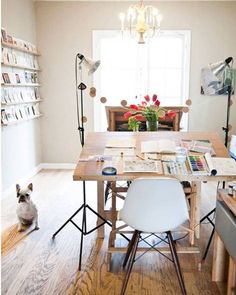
130,70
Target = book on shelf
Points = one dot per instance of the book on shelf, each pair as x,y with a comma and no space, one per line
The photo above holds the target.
163,146
3,117
13,78
6,78
5,58
4,35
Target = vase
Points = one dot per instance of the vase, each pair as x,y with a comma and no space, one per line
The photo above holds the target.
135,128
152,125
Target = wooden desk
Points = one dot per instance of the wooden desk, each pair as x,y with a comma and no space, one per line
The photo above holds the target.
92,170
115,117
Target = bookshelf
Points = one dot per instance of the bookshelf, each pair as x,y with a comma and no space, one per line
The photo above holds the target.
19,48
20,97
23,67
20,85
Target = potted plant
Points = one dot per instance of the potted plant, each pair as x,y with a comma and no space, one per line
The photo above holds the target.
148,110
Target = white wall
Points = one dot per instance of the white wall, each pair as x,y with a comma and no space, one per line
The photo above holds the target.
21,148
65,28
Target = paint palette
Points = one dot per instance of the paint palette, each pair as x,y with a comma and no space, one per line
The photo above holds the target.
198,164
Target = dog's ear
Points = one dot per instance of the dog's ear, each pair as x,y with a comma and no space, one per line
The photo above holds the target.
30,186
17,188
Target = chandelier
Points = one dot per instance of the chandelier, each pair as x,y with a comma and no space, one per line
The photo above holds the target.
142,20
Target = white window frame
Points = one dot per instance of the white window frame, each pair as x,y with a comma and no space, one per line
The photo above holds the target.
99,34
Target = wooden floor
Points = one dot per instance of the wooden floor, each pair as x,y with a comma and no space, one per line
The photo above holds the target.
34,264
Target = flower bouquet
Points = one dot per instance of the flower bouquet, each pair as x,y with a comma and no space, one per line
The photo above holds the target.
148,110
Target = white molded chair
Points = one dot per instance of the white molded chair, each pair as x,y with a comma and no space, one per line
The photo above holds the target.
154,205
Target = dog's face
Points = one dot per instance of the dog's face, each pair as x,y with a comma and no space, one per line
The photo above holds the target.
23,195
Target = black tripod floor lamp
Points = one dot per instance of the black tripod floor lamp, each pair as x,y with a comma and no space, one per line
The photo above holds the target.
220,71
80,63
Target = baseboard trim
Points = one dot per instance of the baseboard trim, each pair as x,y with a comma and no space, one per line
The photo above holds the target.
57,166
25,180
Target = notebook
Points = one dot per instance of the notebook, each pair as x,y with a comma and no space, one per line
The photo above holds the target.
164,146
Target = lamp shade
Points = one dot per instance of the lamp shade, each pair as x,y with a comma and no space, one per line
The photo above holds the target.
213,78
219,67
90,64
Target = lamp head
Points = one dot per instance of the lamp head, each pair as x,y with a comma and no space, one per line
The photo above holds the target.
90,64
214,77
219,67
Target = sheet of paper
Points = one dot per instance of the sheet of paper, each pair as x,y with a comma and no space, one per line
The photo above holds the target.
158,146
142,166
119,152
121,143
224,166
96,158
152,156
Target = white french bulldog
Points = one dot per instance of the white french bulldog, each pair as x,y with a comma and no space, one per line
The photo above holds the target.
26,210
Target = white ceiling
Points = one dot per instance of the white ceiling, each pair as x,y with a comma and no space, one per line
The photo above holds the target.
133,0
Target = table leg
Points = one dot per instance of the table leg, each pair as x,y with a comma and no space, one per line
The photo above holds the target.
195,202
219,260
112,237
197,209
231,277
192,216
100,207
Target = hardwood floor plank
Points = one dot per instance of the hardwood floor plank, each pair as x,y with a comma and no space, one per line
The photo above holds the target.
34,264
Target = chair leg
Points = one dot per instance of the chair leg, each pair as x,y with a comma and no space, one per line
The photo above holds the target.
176,263
107,191
129,249
131,262
208,244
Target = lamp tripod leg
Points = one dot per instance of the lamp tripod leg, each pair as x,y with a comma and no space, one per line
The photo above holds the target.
82,238
68,220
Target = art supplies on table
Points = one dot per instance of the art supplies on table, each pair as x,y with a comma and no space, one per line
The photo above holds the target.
198,146
159,146
168,158
175,168
142,166
152,156
96,158
121,143
198,165
119,152
109,171
221,166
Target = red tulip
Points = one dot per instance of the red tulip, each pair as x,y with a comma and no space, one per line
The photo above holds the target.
127,115
171,114
139,117
140,107
144,103
147,98
157,103
134,107
154,97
